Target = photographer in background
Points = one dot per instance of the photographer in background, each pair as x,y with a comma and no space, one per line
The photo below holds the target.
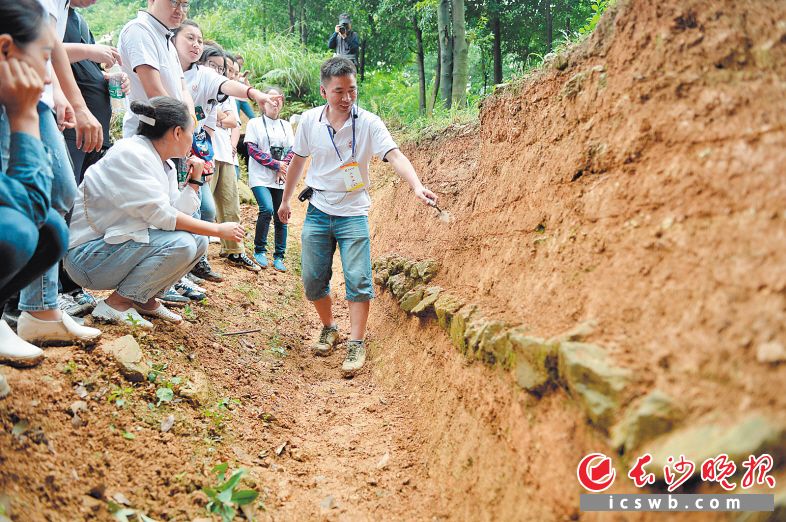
345,41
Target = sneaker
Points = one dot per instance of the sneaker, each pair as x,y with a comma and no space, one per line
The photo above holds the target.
186,288
278,264
16,352
173,298
205,271
261,259
242,260
356,358
5,389
162,312
194,279
10,315
327,340
65,331
104,312
76,305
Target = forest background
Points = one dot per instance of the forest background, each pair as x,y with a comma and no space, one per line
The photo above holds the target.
423,63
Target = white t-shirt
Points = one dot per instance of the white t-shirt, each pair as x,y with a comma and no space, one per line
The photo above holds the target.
313,139
57,10
222,144
145,41
279,134
204,84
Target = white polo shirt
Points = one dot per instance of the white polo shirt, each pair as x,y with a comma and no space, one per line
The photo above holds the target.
204,84
146,41
278,133
313,138
57,10
222,140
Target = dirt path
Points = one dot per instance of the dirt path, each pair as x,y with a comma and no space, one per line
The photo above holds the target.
349,452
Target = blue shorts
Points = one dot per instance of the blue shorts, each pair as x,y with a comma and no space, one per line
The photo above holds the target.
321,233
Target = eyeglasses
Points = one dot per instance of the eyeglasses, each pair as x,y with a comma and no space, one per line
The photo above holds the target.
217,68
182,5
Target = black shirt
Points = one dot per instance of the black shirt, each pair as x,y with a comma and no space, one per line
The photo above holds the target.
89,76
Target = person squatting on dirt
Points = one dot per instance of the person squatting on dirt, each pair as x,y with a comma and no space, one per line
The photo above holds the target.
132,229
34,234
341,138
269,140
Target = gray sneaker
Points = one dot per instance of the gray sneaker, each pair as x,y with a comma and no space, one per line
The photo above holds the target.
327,340
356,358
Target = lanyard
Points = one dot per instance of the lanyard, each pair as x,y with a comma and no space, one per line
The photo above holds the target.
330,134
264,122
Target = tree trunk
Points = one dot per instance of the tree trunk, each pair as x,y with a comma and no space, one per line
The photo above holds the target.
549,26
421,66
497,49
303,28
446,52
460,55
362,60
291,17
435,91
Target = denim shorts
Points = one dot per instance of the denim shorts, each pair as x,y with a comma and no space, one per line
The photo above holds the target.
321,233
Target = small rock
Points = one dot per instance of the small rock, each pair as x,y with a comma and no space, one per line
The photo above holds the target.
97,491
128,356
280,449
578,333
167,423
772,352
411,299
77,407
399,285
381,277
77,422
197,389
328,503
121,499
655,415
371,481
426,305
383,462
458,326
80,391
445,307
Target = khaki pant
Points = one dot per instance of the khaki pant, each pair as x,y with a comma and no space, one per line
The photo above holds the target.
224,187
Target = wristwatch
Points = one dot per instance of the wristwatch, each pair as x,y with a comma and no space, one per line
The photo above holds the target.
197,182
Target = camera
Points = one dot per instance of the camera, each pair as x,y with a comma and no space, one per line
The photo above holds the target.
278,153
342,27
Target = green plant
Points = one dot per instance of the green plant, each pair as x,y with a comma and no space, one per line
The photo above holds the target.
120,395
220,413
597,6
69,367
224,498
188,312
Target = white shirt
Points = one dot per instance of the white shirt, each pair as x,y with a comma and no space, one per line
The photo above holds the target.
127,192
145,41
313,138
204,84
57,10
278,134
222,140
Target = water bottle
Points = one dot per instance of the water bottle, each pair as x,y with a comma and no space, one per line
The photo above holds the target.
116,94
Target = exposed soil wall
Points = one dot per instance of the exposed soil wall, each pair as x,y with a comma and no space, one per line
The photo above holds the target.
637,181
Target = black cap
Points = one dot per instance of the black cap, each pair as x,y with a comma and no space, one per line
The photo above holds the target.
344,18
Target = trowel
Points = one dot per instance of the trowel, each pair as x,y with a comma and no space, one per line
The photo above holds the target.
443,215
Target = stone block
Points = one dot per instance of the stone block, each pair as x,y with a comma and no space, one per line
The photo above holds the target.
752,435
399,284
409,300
654,415
129,358
533,361
458,326
593,381
492,345
426,270
445,307
381,277
426,305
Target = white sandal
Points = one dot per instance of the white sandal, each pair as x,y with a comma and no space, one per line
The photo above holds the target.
162,312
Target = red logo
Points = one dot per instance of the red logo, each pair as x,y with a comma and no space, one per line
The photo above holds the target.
596,473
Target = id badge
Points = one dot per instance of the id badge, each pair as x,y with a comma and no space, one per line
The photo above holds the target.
199,112
352,177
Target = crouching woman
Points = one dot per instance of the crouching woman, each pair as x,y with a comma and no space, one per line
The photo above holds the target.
132,230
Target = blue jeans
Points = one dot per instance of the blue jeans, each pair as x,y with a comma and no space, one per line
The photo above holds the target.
269,200
137,271
41,294
207,210
28,251
321,233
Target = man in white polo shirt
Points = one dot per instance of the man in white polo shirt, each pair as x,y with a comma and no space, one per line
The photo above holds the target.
341,139
150,58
